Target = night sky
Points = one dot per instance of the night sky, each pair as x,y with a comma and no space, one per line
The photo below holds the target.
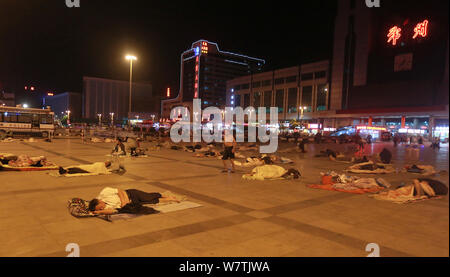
46,44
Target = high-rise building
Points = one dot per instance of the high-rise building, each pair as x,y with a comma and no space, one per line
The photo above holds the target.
204,72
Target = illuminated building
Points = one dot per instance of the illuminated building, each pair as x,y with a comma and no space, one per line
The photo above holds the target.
389,69
204,72
390,65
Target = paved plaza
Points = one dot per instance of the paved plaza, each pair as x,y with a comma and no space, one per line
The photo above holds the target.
280,218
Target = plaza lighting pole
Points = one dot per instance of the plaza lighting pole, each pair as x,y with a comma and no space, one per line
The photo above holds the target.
131,59
68,117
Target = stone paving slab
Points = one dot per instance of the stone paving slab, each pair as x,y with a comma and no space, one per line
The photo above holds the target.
280,218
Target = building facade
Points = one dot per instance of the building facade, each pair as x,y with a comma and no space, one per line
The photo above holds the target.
390,64
204,73
63,102
300,92
105,97
389,68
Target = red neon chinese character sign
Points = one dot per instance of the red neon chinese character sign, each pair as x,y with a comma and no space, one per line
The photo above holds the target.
421,29
394,35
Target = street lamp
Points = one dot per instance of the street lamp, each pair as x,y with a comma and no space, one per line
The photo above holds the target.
112,119
68,117
131,59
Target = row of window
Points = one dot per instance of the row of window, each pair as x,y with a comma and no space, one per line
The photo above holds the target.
309,100
26,118
284,80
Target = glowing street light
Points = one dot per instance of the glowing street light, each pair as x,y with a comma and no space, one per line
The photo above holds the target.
68,117
25,105
302,109
112,119
130,58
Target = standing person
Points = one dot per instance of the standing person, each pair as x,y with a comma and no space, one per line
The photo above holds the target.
230,148
411,140
420,140
301,145
395,139
359,142
369,139
83,134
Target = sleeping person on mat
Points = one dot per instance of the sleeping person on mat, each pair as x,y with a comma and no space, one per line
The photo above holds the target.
113,200
98,168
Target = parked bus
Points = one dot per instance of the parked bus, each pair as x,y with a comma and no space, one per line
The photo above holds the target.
26,122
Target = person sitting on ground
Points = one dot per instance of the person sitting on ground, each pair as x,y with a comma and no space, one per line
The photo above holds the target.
385,156
119,144
100,168
132,145
228,154
113,200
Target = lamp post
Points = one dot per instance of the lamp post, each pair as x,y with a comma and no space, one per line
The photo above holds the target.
302,109
112,119
68,117
131,59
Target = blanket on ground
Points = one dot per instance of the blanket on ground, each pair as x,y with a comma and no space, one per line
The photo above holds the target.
94,169
351,184
265,172
5,167
346,188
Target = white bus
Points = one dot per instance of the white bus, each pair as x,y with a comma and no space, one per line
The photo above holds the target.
24,121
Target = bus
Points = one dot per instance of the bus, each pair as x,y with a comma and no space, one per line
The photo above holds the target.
26,122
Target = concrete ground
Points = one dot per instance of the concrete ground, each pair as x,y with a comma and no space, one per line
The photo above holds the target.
281,218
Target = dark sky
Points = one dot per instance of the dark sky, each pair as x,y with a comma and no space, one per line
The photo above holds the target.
51,46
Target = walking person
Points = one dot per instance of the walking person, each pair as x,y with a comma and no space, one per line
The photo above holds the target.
230,148
301,145
83,135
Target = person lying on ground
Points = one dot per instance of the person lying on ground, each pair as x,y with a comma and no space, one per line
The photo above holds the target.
113,200
328,153
99,168
26,161
5,158
428,187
